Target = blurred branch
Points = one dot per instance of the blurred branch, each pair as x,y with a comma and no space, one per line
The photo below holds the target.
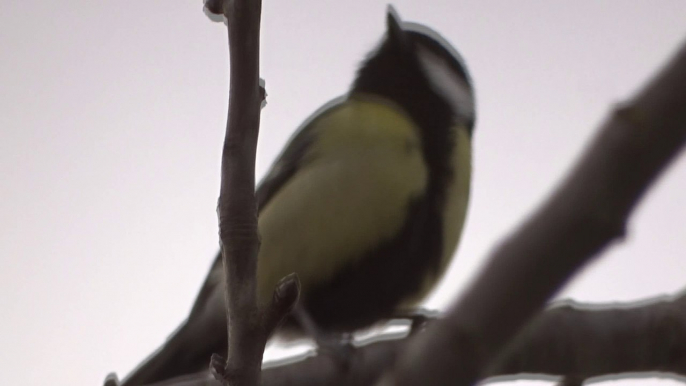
587,212
571,340
582,341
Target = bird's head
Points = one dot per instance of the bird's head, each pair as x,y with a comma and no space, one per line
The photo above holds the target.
414,66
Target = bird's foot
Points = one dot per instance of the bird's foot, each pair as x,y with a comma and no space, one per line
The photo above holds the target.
338,347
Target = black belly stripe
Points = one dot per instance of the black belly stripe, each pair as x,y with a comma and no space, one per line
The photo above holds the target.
374,286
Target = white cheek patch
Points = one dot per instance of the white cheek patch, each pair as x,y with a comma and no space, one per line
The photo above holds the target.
447,83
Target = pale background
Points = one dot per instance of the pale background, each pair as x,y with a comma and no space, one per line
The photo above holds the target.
112,117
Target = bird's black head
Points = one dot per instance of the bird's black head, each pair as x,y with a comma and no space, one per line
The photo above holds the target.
416,68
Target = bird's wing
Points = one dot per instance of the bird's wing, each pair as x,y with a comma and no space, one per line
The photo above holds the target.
347,192
292,157
341,187
286,164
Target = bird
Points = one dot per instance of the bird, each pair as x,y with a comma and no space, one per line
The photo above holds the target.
366,203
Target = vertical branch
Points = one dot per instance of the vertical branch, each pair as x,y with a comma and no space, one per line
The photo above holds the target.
248,326
236,209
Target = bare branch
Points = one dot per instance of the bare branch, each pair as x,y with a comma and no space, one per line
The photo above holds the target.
587,212
249,327
571,381
581,342
576,341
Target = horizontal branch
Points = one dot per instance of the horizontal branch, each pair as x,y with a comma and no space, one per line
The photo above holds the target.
575,340
581,342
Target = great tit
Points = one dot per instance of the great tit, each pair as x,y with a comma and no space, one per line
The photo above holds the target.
366,203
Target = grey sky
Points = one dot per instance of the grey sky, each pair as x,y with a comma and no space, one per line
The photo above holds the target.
112,117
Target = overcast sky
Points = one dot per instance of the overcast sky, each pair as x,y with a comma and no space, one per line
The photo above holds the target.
111,124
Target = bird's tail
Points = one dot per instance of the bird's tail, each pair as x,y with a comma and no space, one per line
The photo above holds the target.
159,365
178,356
191,346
